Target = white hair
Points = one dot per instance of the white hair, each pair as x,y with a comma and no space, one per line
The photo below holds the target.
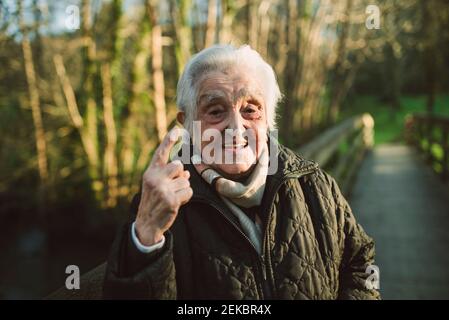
222,58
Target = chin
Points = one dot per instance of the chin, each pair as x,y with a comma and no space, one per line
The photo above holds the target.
233,171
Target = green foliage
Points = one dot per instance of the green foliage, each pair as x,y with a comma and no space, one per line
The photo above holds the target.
389,123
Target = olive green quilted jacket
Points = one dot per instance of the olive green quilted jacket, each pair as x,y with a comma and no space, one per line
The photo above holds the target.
313,247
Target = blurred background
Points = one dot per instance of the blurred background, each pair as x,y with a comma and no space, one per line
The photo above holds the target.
87,90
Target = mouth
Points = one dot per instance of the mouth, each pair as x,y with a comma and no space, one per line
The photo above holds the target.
235,146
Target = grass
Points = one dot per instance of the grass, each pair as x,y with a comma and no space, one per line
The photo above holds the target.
389,123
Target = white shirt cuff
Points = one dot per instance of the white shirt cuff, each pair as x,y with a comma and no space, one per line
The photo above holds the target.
142,248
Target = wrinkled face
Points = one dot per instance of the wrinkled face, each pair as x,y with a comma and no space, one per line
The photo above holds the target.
231,105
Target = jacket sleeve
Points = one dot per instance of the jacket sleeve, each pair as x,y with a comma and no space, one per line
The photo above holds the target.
357,255
131,274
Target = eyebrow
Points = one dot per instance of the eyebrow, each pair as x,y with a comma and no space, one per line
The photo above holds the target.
211,96
245,93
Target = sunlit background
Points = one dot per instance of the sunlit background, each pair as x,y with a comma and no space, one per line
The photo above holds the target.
87,90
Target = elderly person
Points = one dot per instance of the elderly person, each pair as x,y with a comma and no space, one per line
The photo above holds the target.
232,230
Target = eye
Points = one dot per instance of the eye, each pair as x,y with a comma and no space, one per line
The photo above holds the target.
251,111
215,111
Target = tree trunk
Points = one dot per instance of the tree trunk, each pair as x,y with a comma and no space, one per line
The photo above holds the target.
264,29
429,53
392,77
39,132
228,9
211,27
158,73
253,23
339,70
110,158
290,72
72,105
140,85
89,70
182,32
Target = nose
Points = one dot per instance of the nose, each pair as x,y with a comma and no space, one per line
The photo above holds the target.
236,125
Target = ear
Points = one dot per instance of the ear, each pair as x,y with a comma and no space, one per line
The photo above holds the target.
181,117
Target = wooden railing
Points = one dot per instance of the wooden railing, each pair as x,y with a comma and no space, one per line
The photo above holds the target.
340,149
430,133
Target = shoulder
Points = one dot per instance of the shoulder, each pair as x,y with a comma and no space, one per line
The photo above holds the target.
322,183
293,161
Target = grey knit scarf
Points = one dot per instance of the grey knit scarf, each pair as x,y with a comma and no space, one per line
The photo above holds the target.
245,194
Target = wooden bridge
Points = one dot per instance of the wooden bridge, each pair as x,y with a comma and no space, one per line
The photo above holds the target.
399,200
403,205
395,195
